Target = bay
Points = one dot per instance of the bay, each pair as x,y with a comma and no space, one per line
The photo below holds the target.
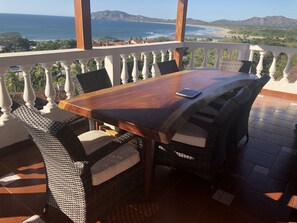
41,27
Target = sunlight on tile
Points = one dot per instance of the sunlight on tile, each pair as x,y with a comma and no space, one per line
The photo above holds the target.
9,178
34,219
274,196
223,197
289,150
261,169
293,202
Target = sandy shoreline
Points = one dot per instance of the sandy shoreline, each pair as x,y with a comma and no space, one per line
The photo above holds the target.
221,32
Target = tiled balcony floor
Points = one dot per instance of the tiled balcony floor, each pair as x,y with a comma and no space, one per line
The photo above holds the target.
258,184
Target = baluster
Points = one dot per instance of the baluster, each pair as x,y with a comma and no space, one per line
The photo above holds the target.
272,68
260,64
191,63
83,64
29,93
50,91
217,64
204,63
5,100
154,61
251,58
145,69
135,71
287,69
69,87
124,73
170,54
163,53
99,61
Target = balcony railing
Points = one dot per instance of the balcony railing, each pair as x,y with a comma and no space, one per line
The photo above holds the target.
115,62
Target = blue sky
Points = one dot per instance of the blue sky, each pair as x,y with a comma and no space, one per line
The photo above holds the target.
207,10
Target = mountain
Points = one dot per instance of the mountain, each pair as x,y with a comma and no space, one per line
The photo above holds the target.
118,15
268,21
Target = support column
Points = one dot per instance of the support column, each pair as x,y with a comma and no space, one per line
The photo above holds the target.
83,31
182,6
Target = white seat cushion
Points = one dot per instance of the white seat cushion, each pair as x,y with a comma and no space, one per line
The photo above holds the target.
191,134
113,164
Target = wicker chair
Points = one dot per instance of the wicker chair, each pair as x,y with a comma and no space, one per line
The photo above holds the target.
239,127
236,65
199,146
165,67
92,81
86,175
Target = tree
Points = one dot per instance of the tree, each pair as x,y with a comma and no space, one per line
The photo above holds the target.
14,42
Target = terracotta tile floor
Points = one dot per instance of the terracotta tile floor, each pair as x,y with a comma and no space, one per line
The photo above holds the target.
259,184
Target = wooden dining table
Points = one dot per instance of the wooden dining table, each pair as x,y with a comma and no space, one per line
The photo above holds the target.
151,109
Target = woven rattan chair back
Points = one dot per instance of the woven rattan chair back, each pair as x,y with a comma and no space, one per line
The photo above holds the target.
206,161
239,127
236,65
165,67
92,81
68,169
61,151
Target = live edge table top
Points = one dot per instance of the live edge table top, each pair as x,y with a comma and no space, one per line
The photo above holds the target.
151,108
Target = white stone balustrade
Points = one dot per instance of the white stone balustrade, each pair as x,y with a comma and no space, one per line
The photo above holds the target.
260,64
135,71
29,93
49,91
5,100
272,68
124,73
163,54
115,58
287,69
273,84
99,61
145,69
154,61
84,67
69,87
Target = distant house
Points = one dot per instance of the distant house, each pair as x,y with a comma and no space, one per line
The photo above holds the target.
1,48
138,41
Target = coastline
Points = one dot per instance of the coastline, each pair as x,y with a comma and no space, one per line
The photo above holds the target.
219,31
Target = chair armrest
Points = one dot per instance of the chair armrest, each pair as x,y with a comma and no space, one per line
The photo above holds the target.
109,148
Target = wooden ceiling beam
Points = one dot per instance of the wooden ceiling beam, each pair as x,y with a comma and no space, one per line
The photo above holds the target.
181,19
82,12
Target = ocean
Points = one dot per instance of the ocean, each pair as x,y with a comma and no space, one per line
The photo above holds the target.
40,27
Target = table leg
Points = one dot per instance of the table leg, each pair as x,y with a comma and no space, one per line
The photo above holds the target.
148,145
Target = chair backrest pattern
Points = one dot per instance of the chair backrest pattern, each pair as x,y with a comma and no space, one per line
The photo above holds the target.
236,65
92,81
165,67
239,127
62,152
206,161
223,123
